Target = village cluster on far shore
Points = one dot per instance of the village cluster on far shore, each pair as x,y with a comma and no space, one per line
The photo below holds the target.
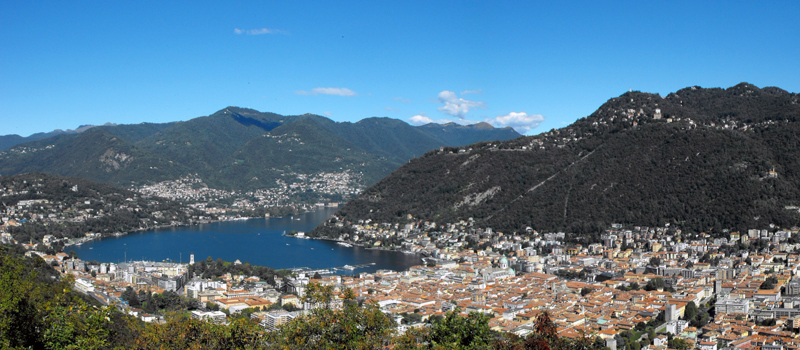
737,291
201,205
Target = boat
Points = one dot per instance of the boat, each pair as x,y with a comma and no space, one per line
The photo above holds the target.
349,267
348,245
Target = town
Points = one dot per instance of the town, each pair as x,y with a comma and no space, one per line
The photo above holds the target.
293,191
32,215
654,287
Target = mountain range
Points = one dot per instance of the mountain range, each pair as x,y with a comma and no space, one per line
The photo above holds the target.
234,148
705,160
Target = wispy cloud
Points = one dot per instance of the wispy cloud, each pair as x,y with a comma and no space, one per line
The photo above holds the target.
258,31
400,99
466,92
456,106
328,91
521,122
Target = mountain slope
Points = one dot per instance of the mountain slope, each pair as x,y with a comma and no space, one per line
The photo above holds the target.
706,165
235,148
95,154
453,134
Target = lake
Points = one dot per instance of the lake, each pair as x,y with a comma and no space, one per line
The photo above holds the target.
257,241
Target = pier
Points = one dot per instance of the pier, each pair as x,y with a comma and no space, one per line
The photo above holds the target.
331,270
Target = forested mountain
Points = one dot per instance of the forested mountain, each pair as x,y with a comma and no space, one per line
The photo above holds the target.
703,159
236,148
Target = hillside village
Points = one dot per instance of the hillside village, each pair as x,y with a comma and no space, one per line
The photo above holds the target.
43,209
640,286
28,207
294,191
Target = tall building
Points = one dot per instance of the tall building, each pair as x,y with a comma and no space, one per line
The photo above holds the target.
671,313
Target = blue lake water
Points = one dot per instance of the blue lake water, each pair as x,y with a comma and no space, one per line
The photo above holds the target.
257,241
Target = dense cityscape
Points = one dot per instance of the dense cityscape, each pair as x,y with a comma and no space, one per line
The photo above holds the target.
655,287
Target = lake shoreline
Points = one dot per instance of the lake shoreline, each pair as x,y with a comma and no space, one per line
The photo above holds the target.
83,240
258,241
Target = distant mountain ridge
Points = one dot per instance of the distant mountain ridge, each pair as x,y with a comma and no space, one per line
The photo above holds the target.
705,160
8,141
235,148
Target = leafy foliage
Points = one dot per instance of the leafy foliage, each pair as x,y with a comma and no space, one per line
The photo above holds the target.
458,332
769,283
210,268
352,327
38,312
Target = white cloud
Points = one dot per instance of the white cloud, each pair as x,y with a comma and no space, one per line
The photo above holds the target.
521,122
465,92
420,119
400,99
258,31
327,113
328,91
455,106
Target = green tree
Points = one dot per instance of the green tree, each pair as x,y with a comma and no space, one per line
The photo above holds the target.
678,344
352,327
20,321
130,296
690,311
769,283
655,283
319,295
461,332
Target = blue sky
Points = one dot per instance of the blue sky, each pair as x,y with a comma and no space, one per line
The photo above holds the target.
531,65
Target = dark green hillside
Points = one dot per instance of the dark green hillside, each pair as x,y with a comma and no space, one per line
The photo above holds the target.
705,165
235,148
204,143
8,141
94,154
389,138
135,132
303,146
452,134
